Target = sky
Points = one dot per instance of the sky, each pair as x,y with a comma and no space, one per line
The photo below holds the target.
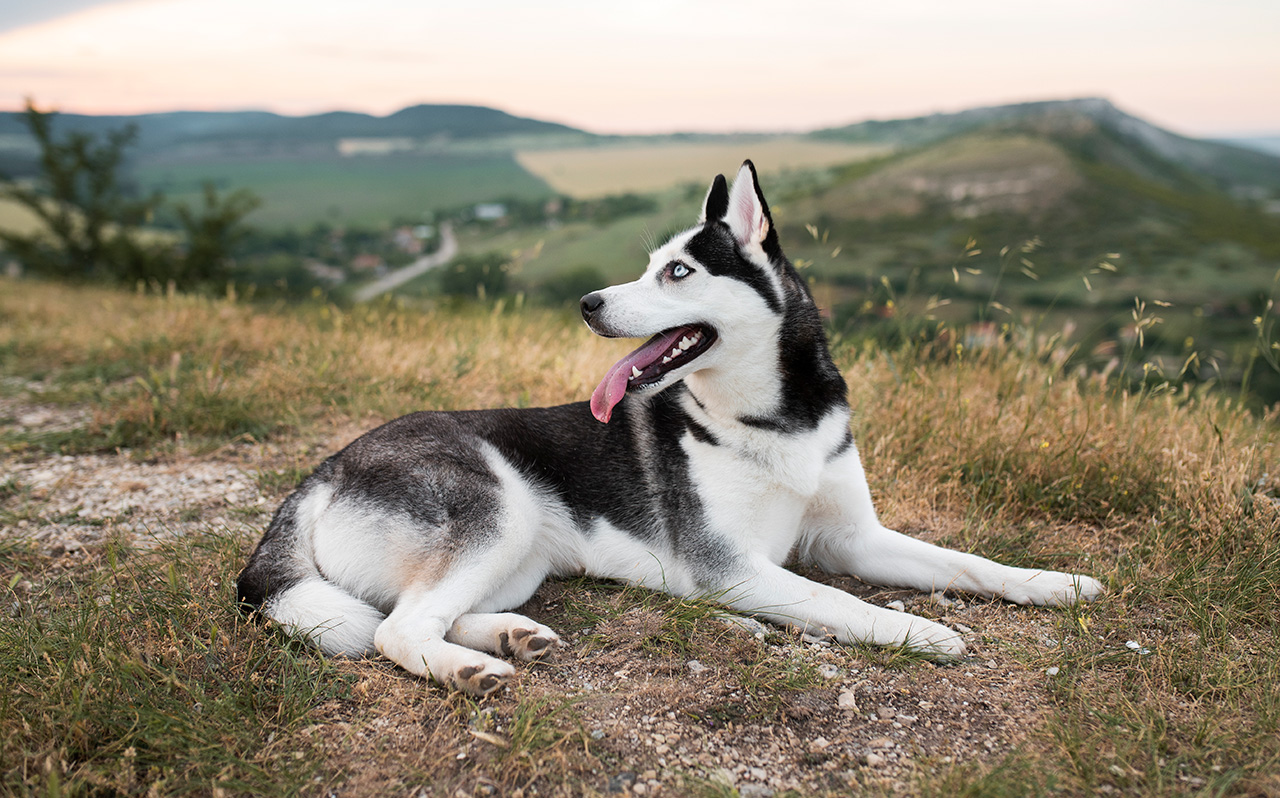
1199,67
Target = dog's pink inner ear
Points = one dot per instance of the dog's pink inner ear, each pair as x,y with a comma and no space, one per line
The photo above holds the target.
746,217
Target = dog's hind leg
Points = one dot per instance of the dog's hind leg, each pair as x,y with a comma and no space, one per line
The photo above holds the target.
504,633
414,636
337,622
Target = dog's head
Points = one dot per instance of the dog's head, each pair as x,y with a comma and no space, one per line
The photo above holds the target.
709,296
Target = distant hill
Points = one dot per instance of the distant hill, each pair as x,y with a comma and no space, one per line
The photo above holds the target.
1268,144
339,167
198,135
1091,123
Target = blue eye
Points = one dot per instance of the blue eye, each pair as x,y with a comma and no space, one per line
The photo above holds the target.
677,270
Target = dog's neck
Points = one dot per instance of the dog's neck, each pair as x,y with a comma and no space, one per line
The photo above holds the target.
784,378
751,386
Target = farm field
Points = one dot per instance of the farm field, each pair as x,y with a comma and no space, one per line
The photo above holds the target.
370,191
145,440
645,167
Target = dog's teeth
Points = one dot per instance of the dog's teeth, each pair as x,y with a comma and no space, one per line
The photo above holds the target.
635,372
685,343
666,360
677,352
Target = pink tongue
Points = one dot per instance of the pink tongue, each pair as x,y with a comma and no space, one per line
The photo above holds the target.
614,385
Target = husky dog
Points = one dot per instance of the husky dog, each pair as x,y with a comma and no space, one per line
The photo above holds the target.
718,449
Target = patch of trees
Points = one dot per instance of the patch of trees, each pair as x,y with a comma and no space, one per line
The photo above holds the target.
91,220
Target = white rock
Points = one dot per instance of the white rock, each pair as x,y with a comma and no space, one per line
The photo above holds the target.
847,700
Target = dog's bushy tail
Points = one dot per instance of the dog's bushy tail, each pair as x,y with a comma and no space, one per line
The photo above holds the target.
282,582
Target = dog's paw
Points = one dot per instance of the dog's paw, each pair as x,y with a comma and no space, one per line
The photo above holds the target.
481,677
1054,589
530,643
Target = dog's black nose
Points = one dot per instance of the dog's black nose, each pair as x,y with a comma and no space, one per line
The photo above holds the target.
590,304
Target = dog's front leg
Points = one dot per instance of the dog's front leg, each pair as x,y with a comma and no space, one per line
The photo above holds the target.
772,592
842,535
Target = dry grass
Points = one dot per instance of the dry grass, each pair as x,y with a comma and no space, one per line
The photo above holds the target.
156,369
596,171
1169,497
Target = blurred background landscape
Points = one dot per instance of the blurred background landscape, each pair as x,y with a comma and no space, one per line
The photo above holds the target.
1075,216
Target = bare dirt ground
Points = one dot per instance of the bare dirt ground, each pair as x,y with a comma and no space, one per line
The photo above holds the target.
632,704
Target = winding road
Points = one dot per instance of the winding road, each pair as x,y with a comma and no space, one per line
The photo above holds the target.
448,248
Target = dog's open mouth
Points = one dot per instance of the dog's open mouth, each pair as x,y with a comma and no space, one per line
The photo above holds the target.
665,351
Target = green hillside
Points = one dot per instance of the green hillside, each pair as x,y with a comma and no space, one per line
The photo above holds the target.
1110,220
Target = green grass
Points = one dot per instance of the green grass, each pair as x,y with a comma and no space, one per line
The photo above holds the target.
369,191
135,671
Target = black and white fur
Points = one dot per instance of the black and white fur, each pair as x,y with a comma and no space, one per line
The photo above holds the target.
713,469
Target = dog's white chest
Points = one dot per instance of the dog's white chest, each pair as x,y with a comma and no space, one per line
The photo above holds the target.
758,495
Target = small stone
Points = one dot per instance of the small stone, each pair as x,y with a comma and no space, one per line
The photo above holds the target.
1053,671
886,713
874,760
695,667
880,742
906,720
847,700
818,638
897,605
749,625
755,791
991,664
639,788
597,734
941,600
621,782
962,629
828,671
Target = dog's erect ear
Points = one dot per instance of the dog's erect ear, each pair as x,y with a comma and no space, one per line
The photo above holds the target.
716,204
748,213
